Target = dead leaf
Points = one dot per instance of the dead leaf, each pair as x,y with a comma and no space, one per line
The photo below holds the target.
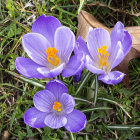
86,20
135,32
5,135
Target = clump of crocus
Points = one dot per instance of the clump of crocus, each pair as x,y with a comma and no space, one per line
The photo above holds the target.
104,52
49,47
54,107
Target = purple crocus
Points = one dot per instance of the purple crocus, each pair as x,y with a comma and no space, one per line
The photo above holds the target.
54,107
104,52
79,47
49,47
77,78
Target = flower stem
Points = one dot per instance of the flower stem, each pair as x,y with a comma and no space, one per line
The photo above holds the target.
87,138
39,130
71,136
96,90
90,94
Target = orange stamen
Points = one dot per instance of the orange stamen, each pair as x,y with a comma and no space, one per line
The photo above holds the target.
57,106
103,56
52,57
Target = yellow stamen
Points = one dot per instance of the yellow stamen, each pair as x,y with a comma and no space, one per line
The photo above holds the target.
52,57
103,56
57,106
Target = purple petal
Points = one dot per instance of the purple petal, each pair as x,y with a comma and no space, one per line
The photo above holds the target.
28,68
113,53
76,121
118,55
126,42
77,78
96,39
112,78
81,46
35,46
117,34
44,100
68,103
51,73
57,88
34,118
89,65
64,43
74,66
55,120
46,25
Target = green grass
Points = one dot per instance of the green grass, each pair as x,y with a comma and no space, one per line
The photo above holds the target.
117,111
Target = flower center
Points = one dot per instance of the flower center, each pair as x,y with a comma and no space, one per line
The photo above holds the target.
57,106
52,57
103,56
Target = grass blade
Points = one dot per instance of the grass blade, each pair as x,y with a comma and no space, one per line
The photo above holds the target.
114,102
82,83
96,90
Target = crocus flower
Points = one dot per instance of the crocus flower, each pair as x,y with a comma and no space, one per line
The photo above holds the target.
77,78
49,47
104,52
79,48
54,107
